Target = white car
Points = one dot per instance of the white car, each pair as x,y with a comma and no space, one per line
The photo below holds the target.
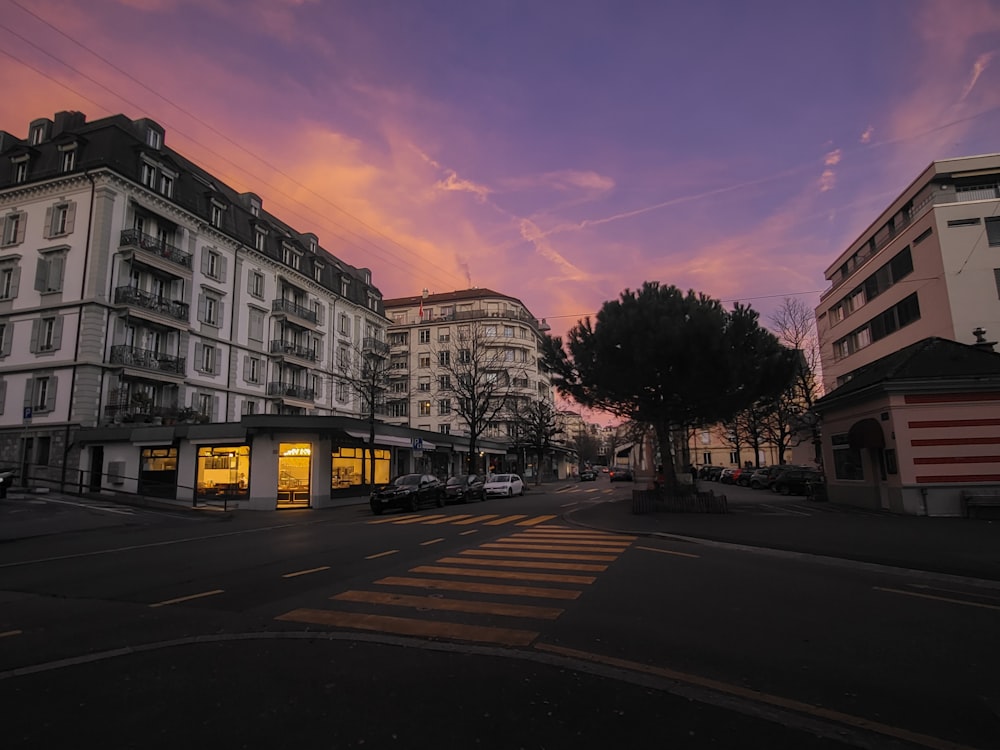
504,485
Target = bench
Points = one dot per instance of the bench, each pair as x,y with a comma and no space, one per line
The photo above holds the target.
982,497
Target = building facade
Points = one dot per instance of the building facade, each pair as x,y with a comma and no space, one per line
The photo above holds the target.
138,291
927,266
449,351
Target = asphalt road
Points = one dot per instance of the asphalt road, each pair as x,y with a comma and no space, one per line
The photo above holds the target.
496,624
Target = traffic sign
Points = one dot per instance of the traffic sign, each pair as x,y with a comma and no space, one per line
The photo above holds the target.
27,413
418,444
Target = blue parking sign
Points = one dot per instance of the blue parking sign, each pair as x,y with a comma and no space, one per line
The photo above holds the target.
27,413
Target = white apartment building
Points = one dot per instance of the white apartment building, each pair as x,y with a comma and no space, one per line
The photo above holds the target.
138,289
929,265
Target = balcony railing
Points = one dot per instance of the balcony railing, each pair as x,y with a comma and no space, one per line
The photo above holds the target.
291,308
373,345
292,349
131,356
131,412
291,390
129,295
156,246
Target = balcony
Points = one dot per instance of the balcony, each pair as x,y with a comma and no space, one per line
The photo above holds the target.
291,390
144,359
287,307
371,345
129,295
128,411
133,238
290,349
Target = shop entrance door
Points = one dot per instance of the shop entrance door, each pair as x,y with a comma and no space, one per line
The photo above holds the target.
293,474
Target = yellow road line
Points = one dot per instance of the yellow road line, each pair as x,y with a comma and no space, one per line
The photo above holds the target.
542,564
407,626
421,519
382,554
298,573
449,519
475,519
533,521
450,605
505,519
479,588
514,575
9,633
540,555
573,533
937,598
774,700
668,552
553,547
432,541
391,519
180,599
550,539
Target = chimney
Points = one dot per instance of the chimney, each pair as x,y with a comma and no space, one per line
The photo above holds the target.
64,121
981,342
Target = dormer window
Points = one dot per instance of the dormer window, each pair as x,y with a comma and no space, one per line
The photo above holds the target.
20,168
167,184
147,174
312,245
258,240
255,207
215,214
154,139
37,135
317,271
290,257
68,161
345,286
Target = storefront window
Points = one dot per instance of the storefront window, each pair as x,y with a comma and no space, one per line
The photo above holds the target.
158,472
846,460
348,469
293,472
223,472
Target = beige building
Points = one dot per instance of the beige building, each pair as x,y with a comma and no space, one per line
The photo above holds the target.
927,266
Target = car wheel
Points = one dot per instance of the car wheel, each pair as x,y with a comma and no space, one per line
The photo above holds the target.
510,492
463,498
785,489
376,507
414,504
440,499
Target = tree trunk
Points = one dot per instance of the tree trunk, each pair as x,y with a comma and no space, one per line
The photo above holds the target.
669,470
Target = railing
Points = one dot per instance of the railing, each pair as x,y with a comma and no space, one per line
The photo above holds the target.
287,347
291,390
291,308
492,315
148,360
373,345
156,246
132,412
129,295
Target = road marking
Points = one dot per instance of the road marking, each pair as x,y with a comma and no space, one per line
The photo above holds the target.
432,541
540,555
180,599
475,519
87,506
407,626
570,534
470,531
505,519
392,519
726,688
785,509
450,605
937,598
382,554
554,547
551,537
515,575
306,572
570,505
421,519
480,588
541,564
668,552
9,633
449,519
533,521
953,591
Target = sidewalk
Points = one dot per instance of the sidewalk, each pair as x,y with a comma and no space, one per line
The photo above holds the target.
953,546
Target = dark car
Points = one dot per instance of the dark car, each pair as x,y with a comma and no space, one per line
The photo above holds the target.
795,481
620,474
464,487
588,475
409,491
761,478
714,472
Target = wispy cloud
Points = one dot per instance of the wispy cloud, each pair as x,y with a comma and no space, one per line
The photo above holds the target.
978,67
866,137
828,179
563,180
453,182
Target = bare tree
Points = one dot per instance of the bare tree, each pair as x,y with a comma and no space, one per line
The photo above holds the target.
535,426
587,445
483,377
364,370
795,326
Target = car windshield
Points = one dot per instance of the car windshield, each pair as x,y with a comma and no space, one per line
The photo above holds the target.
407,480
457,480
502,478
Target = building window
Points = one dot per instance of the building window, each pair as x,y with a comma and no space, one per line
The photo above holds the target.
216,215
69,160
424,336
42,393
258,241
251,372
208,358
341,391
464,356
255,325
37,135
734,457
444,382
254,207
147,174
706,459
964,222
21,170
211,310
444,406
49,272
424,384
424,360
249,407
167,185
154,139
60,219
508,331
47,334
257,284
444,359
8,282
345,286
213,264
424,408
317,271
846,460
345,324
993,230
444,429
13,229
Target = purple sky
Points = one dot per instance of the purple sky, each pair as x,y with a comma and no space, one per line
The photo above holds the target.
558,151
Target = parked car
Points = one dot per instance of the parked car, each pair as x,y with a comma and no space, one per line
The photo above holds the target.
714,472
588,475
504,485
743,477
795,481
408,491
465,487
761,478
620,474
726,475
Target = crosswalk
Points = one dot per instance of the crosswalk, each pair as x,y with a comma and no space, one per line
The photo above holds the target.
465,519
499,593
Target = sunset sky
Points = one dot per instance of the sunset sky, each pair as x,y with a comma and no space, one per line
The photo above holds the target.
558,151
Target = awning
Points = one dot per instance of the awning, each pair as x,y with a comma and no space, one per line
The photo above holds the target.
396,440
